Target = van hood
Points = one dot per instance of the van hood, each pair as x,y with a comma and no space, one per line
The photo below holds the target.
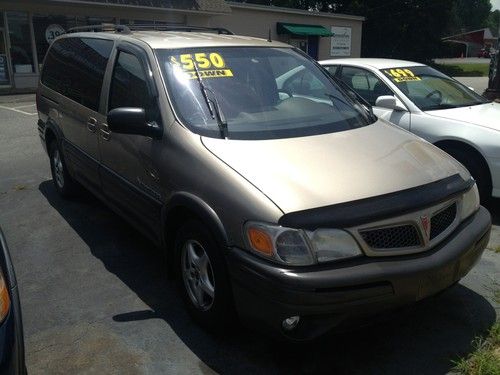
316,171
487,115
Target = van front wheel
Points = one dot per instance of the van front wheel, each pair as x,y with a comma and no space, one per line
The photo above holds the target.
204,281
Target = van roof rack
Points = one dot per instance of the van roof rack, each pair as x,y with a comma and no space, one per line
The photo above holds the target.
127,29
170,27
102,27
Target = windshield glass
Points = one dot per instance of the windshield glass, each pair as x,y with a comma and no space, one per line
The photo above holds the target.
262,93
430,89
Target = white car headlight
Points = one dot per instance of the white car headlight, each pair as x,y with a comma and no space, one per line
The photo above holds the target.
299,247
470,202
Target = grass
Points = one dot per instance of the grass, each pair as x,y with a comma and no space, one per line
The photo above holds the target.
485,359
464,70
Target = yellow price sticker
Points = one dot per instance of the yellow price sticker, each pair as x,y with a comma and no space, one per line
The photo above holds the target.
401,75
211,65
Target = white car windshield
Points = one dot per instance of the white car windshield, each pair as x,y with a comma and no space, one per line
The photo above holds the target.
429,89
259,92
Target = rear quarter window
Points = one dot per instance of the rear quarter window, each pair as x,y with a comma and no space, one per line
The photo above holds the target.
75,68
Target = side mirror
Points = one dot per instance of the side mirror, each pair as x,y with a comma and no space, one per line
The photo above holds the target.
127,120
389,102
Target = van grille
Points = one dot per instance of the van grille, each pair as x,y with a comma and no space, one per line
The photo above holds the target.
392,237
442,220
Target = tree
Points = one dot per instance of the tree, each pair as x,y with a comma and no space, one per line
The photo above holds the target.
408,29
494,22
468,15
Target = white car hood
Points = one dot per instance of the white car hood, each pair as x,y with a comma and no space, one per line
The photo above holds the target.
487,115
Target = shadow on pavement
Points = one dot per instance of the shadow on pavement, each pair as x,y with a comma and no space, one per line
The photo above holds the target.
422,339
494,208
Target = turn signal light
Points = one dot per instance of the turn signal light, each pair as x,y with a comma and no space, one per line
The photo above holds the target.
260,241
4,298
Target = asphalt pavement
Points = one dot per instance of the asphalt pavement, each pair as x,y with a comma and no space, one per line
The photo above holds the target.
96,300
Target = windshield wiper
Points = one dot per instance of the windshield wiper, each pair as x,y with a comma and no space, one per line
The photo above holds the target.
213,105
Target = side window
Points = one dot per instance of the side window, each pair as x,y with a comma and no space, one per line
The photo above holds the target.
305,83
75,67
365,83
128,85
332,69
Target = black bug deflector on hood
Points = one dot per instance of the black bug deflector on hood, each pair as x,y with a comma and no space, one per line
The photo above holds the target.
377,208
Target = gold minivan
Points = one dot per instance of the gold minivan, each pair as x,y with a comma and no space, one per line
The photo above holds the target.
276,195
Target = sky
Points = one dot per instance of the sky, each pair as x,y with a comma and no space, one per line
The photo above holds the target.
495,4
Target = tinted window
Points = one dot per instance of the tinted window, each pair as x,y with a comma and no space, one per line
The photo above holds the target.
128,86
75,67
365,83
332,69
304,83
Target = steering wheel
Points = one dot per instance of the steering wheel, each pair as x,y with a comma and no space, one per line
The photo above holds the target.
435,92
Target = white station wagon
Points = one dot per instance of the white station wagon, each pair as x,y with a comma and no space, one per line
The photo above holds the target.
434,106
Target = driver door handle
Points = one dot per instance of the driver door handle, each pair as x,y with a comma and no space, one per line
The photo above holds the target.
92,124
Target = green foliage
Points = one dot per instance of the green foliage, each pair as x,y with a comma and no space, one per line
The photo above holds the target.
463,70
468,15
494,22
485,359
408,29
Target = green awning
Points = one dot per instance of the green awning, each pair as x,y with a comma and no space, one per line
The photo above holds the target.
303,30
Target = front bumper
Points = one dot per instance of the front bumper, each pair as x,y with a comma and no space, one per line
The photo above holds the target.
325,296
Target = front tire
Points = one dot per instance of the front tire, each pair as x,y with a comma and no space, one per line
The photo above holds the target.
477,168
204,281
63,182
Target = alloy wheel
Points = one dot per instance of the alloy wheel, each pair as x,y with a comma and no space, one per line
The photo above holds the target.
198,275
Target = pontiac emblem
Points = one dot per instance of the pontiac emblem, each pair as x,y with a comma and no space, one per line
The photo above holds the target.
424,220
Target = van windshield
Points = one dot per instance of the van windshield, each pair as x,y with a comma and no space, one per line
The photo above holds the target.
262,93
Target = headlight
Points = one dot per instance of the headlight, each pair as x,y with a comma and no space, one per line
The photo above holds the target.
299,247
333,244
470,202
4,298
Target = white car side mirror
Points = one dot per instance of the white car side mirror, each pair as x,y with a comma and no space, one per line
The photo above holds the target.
389,102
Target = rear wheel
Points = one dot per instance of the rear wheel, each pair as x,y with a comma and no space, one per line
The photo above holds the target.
204,281
63,182
477,168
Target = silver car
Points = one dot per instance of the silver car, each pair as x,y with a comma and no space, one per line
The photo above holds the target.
286,201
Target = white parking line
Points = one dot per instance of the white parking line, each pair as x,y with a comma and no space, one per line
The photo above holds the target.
18,110
24,106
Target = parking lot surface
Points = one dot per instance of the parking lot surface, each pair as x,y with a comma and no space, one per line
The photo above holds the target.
95,297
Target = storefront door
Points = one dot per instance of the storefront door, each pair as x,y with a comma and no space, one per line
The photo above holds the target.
4,66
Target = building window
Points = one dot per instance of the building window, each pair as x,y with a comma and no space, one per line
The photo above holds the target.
4,68
21,52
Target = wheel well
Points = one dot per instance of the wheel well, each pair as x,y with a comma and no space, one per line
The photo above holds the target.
457,145
175,218
49,137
